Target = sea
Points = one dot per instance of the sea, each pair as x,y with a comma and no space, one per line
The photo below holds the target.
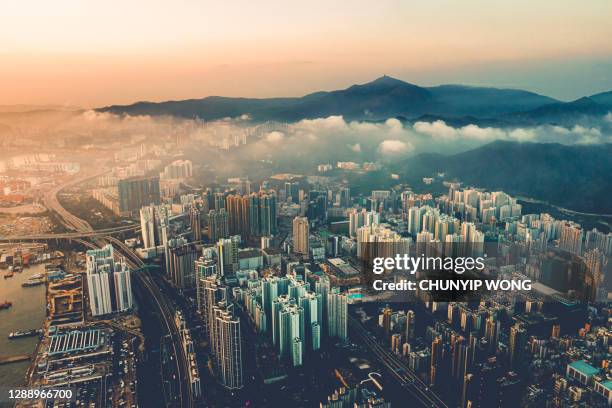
28,312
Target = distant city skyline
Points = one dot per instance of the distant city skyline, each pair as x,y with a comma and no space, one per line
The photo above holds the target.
100,53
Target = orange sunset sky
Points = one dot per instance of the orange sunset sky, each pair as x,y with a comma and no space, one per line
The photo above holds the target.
93,53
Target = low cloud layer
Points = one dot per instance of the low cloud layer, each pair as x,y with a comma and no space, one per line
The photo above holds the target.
303,144
440,131
308,142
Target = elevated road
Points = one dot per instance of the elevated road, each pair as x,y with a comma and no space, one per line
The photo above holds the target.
69,220
71,235
399,370
165,309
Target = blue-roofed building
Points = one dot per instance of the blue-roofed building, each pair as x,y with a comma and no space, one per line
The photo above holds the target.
604,388
581,371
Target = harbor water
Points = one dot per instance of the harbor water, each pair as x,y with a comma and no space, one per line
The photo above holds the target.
28,312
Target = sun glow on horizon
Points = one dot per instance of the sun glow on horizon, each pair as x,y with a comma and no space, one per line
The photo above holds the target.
98,53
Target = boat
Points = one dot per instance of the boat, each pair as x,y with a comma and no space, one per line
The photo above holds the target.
36,276
28,333
5,305
52,265
9,274
33,282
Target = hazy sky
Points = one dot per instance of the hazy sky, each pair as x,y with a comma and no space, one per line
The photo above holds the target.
93,52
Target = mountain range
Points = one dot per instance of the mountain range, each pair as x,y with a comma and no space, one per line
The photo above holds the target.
387,97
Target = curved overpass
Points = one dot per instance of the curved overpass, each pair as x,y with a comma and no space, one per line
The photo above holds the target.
70,235
93,239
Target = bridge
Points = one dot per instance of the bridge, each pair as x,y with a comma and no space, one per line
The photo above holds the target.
90,238
165,310
80,230
71,235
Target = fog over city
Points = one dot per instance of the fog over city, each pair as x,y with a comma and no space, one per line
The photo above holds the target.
308,139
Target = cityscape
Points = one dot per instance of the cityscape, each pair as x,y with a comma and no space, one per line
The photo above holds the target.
246,251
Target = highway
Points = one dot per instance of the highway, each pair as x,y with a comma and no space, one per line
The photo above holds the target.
398,368
69,235
165,309
69,220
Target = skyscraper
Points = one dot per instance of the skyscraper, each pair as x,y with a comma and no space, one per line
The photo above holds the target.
217,225
322,289
277,305
516,346
219,201
206,290
227,255
377,241
571,238
267,213
269,294
178,169
410,325
291,333
237,208
596,266
436,358
292,191
180,265
152,217
386,322
312,336
195,222
108,282
414,219
205,267
136,192
301,233
345,197
337,308
360,218
254,215
229,354
221,326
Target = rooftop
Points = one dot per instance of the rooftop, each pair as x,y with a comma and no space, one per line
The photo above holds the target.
584,367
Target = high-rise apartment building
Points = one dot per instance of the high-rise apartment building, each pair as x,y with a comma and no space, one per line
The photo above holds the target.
222,328
337,310
108,282
378,241
178,169
360,218
571,238
217,225
237,208
227,255
292,191
137,192
195,222
410,326
301,233
180,265
152,218
229,352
